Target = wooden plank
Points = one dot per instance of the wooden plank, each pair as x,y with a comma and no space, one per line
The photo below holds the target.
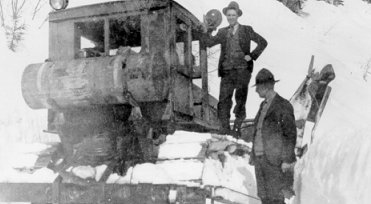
323,103
76,41
182,96
310,71
191,195
183,84
170,44
26,192
53,36
189,64
302,102
186,14
113,16
199,158
205,124
72,193
224,201
106,37
232,192
188,48
144,30
205,86
320,111
99,193
62,41
56,189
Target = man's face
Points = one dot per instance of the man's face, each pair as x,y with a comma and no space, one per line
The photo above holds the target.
232,16
262,90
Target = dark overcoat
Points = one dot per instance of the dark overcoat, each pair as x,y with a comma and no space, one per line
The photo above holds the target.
246,35
278,132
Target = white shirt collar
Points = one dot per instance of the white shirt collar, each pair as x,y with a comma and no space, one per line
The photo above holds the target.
235,27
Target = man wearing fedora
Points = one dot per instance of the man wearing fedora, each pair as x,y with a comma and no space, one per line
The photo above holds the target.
273,142
235,64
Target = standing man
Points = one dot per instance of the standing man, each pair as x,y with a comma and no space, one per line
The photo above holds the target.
273,142
235,64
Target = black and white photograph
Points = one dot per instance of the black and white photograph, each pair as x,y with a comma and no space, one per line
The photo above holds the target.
185,101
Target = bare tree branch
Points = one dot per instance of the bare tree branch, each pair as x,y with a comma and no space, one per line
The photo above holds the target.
39,5
36,9
367,69
20,8
16,31
45,20
2,15
16,10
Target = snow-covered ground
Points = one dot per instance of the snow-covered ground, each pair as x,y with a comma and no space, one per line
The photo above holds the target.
337,167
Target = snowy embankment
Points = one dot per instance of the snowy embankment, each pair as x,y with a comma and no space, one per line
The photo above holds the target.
336,169
18,122
182,160
337,165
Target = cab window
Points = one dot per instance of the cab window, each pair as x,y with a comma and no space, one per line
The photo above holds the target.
92,35
89,40
125,31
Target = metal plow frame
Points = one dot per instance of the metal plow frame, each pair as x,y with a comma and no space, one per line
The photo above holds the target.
102,193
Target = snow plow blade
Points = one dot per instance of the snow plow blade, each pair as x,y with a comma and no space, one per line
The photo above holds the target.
218,151
308,101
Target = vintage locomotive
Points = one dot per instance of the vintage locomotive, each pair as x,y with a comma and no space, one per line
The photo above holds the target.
119,76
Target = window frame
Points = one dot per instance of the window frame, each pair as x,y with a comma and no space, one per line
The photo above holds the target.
106,20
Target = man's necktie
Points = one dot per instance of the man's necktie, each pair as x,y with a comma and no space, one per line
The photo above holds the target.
230,30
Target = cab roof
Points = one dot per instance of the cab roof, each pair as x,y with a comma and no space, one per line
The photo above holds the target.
118,8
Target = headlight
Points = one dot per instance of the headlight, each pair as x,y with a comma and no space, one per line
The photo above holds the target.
58,4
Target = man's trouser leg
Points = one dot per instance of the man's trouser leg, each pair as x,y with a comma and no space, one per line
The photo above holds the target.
242,79
225,100
269,180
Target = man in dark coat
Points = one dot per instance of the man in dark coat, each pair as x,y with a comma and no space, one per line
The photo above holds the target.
235,64
273,142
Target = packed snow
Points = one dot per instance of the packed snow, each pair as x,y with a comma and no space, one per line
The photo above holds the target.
336,168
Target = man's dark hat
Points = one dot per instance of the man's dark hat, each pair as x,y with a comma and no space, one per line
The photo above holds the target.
264,76
233,5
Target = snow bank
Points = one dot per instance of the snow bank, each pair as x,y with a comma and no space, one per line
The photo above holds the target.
336,169
18,123
17,162
43,175
336,35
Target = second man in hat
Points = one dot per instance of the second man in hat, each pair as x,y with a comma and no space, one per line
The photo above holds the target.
274,139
